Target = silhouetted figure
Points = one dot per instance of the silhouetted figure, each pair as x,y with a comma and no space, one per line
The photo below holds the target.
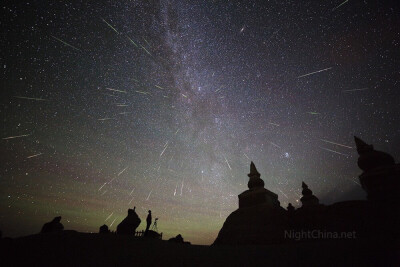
53,226
104,229
129,224
148,221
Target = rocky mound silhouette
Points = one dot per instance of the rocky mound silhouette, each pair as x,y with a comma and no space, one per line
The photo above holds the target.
129,224
54,226
178,239
104,229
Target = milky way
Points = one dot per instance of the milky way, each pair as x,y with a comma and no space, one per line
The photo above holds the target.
163,104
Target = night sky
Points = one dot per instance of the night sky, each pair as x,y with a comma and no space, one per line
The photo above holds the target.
163,104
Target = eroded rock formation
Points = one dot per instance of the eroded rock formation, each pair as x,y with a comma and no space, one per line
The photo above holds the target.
129,224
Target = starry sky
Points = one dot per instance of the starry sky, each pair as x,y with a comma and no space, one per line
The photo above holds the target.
106,105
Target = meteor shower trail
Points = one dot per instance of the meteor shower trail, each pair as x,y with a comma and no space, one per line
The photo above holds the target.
315,72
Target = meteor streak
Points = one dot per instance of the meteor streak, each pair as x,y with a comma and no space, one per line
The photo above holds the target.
113,222
182,185
109,25
141,92
165,147
116,90
17,136
65,43
227,163
111,180
334,143
333,151
353,90
102,186
31,98
159,87
105,119
132,191
121,172
275,145
283,193
34,155
216,91
132,41
145,49
246,156
275,124
149,195
313,113
340,5
109,216
146,41
311,73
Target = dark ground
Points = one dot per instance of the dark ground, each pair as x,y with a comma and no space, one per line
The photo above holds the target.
71,248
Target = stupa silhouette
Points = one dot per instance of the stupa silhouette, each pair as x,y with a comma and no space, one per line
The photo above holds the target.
261,220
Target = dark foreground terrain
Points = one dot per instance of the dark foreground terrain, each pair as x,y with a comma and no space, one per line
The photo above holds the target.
71,248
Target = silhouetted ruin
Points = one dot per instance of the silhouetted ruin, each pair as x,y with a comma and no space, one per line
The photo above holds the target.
178,239
380,177
104,229
54,226
129,224
261,220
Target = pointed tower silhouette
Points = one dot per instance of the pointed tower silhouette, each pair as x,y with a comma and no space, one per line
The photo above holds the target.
308,199
255,180
259,220
257,194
